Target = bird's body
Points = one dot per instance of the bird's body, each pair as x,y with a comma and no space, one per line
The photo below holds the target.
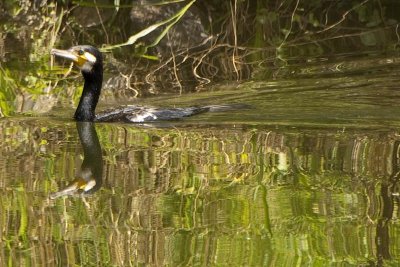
90,61
138,114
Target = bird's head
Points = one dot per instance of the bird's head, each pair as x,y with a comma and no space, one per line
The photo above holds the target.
87,58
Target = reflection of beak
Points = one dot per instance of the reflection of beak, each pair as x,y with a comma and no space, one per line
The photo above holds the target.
79,185
65,54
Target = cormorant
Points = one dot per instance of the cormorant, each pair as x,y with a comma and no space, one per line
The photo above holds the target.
90,61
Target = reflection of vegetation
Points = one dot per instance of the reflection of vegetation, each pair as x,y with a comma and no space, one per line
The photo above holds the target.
197,196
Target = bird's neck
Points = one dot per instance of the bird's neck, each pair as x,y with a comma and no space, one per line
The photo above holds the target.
90,96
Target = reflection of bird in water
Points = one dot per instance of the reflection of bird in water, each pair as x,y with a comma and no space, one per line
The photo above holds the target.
89,177
90,61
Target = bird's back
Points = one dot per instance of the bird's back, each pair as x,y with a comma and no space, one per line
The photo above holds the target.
138,114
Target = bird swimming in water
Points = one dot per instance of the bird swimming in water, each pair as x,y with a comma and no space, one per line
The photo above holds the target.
90,61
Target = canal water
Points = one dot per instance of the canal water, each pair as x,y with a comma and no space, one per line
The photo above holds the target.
306,175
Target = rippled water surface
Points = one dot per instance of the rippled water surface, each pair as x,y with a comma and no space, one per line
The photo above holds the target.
308,176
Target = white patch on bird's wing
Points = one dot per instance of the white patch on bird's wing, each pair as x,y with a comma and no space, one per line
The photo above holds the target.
92,59
143,116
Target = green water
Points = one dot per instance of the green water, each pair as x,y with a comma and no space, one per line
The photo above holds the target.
307,177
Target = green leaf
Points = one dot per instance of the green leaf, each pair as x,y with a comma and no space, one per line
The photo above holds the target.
169,22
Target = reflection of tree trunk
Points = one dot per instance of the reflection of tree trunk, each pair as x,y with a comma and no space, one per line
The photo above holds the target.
382,239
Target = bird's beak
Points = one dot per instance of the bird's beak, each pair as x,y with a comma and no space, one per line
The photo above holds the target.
80,60
65,54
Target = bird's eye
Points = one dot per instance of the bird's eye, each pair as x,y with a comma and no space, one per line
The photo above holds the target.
81,52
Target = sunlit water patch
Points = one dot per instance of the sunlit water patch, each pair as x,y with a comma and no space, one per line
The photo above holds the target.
350,101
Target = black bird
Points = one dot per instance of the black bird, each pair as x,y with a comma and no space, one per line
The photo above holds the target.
90,61
89,177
